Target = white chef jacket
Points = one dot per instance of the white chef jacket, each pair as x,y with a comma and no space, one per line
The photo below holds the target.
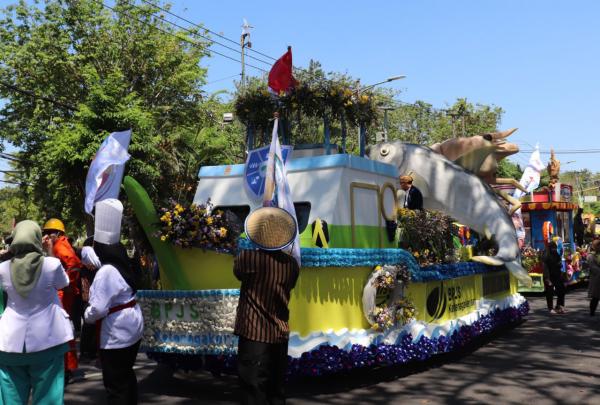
122,328
37,322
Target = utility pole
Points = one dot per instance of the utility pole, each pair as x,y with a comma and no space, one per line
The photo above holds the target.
579,189
245,43
386,121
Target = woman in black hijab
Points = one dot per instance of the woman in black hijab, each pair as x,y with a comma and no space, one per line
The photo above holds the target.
553,282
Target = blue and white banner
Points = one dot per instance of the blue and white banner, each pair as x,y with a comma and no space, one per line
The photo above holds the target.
106,171
256,169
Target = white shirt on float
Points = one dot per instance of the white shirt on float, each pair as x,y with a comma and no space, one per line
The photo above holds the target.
37,322
122,328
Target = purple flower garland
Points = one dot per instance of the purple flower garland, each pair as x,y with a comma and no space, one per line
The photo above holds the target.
328,359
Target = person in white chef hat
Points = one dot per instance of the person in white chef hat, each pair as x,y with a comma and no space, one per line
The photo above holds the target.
113,307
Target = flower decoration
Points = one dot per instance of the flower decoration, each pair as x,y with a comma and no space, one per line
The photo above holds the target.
531,259
197,226
313,98
428,235
383,300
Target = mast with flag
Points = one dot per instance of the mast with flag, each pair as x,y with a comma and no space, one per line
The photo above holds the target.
281,79
105,174
277,189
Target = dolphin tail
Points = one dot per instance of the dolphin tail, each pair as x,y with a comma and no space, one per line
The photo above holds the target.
514,267
489,260
519,272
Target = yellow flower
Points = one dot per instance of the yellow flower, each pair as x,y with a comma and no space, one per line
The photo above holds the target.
364,98
163,238
223,232
416,254
209,220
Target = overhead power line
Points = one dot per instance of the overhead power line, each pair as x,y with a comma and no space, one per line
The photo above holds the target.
212,41
565,151
14,182
189,41
224,78
206,29
8,156
37,96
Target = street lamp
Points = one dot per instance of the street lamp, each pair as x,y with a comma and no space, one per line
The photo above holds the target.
389,79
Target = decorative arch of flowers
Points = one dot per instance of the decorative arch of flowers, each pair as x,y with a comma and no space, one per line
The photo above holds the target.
384,303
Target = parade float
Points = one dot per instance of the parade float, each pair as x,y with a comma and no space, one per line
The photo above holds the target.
360,301
548,215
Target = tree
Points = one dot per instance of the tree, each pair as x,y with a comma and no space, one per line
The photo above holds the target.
508,169
15,206
105,71
421,123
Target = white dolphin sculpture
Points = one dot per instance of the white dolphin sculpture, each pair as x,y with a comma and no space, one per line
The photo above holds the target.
461,195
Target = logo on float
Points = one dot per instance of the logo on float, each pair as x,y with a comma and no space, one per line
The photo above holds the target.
437,302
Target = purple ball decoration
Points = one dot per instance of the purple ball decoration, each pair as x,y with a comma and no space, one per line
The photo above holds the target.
326,359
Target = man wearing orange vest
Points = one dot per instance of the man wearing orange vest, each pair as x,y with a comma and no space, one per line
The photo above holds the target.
56,244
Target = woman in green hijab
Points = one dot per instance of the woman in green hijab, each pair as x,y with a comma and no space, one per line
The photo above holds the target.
34,328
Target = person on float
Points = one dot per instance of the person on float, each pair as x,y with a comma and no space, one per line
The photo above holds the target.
112,306
593,260
57,244
35,328
413,199
268,274
553,282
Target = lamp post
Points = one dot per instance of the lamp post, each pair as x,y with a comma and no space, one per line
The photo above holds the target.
362,131
389,79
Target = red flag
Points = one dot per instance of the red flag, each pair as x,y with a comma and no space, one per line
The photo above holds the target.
280,76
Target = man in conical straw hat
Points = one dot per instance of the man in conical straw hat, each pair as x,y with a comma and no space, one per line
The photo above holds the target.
268,275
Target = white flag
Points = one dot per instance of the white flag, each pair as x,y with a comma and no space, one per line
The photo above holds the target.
530,180
106,171
531,175
277,190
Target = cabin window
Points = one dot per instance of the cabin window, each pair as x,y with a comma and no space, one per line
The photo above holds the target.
238,213
235,214
302,214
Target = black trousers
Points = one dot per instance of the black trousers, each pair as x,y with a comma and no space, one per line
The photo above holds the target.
118,375
261,369
593,305
559,287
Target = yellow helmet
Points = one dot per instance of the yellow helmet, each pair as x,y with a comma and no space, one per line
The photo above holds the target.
55,225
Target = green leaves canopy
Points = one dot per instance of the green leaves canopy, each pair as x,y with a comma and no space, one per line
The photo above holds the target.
107,71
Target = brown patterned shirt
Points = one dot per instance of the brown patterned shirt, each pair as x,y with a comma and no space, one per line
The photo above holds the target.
267,279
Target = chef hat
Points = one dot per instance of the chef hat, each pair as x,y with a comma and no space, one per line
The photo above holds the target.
89,257
107,225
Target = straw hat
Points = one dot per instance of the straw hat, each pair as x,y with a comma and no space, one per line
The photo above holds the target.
271,228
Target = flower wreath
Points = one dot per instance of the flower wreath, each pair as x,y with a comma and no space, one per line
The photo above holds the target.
384,304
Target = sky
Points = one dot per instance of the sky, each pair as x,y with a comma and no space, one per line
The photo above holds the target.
538,60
